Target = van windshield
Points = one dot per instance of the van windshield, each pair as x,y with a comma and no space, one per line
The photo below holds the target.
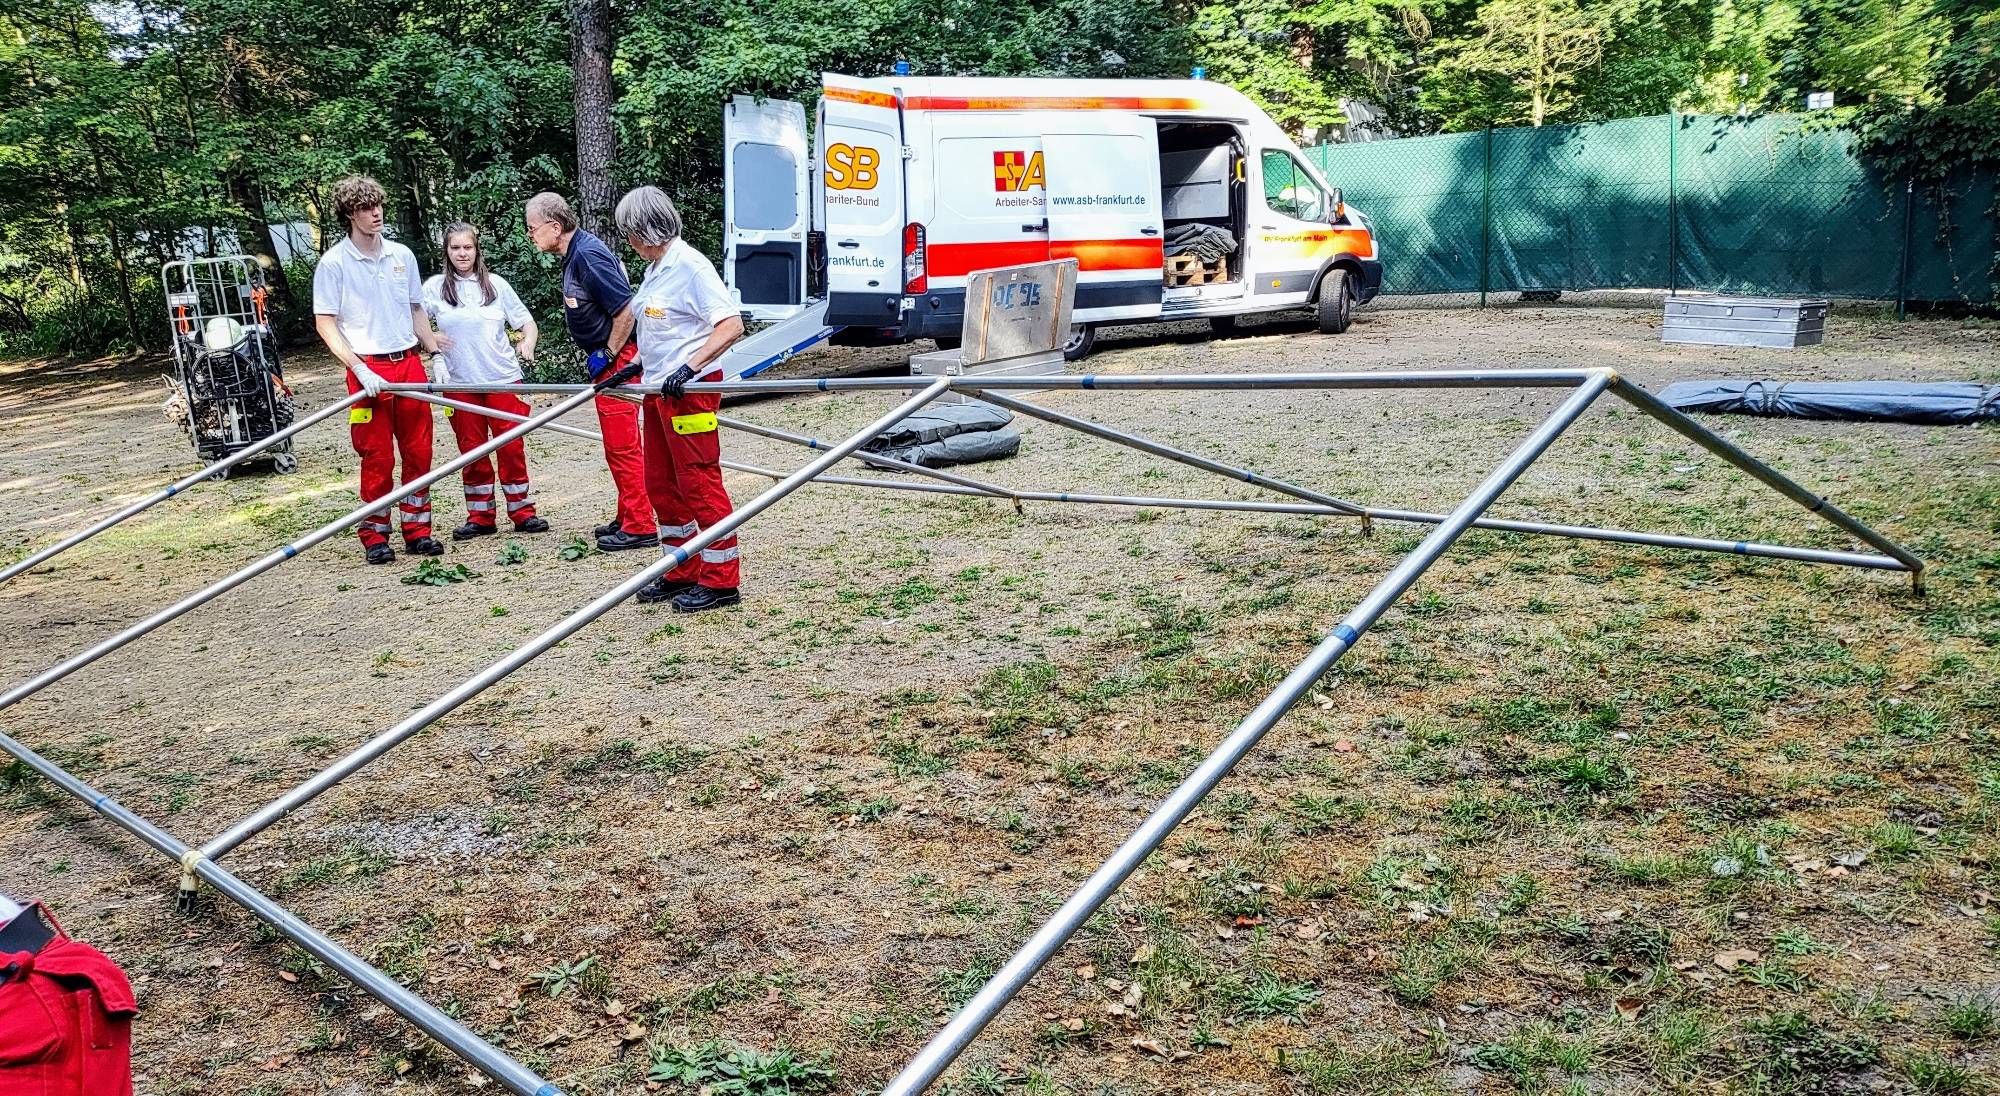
1289,190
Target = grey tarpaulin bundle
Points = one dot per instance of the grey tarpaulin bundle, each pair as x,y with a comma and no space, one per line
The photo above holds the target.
1941,403
946,434
1206,243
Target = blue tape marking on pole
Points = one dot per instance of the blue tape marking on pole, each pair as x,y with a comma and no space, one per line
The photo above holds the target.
172,491
1740,548
548,1090
1089,380
822,384
680,557
812,443
1347,635
290,551
1249,477
1065,496
98,803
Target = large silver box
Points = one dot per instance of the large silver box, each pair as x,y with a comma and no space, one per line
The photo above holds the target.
1744,321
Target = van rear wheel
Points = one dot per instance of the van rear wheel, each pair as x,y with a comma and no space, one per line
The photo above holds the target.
1336,302
1082,337
1222,326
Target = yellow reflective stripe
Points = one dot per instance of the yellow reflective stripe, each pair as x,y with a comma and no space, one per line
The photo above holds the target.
694,424
360,414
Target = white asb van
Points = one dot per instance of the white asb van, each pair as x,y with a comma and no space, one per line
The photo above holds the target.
1179,199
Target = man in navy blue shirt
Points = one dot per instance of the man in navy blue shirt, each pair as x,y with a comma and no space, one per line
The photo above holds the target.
597,309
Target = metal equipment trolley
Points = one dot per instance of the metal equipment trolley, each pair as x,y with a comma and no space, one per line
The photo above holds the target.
230,386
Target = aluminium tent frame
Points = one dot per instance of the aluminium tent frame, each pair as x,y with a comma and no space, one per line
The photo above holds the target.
1586,385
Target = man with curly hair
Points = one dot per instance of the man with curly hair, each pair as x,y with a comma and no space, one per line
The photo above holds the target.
368,305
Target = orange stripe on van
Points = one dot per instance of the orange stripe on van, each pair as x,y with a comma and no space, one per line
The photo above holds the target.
1049,102
951,260
857,95
1315,243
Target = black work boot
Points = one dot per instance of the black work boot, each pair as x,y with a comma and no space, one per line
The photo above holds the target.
425,546
380,553
622,541
532,525
607,528
660,590
472,529
703,598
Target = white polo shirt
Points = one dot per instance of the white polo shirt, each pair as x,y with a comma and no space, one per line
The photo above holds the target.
678,303
370,298
480,351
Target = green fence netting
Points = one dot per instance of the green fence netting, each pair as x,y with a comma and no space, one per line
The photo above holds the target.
1766,205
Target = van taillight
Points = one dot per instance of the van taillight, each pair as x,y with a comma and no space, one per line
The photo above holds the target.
914,278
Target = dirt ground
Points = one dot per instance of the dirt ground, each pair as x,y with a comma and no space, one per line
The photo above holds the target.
1574,817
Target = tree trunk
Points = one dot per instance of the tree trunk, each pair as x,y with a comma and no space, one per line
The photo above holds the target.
247,195
590,49
71,251
1538,61
124,282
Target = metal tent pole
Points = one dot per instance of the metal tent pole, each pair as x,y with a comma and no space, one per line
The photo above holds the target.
972,486
1770,477
507,416
222,586
1146,445
775,434
1504,525
483,1056
1194,382
180,485
1660,540
570,625
1001,988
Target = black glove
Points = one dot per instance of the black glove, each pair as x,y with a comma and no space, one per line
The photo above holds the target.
677,385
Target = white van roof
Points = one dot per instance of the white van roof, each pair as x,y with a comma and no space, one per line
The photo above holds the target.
1195,97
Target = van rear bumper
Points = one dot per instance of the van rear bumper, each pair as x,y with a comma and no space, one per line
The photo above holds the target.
862,309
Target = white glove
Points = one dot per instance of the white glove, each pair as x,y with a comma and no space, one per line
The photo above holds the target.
368,379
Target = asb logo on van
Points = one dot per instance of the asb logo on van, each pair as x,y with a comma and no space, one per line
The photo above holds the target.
852,167
1013,171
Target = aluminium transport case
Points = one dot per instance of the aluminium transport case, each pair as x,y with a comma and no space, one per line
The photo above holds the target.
1744,321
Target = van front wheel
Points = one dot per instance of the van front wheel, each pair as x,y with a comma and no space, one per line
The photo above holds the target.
1336,303
1082,337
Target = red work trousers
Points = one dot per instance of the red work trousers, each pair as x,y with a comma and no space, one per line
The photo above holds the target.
381,428
474,430
65,1022
618,421
684,478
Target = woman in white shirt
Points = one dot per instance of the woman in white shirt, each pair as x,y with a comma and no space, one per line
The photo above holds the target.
475,307
684,318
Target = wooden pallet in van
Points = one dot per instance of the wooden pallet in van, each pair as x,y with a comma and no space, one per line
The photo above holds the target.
1188,270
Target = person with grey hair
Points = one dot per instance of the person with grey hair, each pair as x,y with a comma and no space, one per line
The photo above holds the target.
685,318
597,309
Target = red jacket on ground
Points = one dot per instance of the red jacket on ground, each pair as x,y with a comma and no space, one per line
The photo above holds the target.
65,1022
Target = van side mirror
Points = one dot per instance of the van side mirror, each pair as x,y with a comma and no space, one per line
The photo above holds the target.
1337,207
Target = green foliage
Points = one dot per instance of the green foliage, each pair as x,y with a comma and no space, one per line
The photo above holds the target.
129,133
431,572
714,1069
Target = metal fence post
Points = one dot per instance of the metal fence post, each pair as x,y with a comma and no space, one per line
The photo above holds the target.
1486,223
1903,263
1673,208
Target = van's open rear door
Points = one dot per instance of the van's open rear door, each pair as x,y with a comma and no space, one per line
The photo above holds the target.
765,206
1103,180
861,149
